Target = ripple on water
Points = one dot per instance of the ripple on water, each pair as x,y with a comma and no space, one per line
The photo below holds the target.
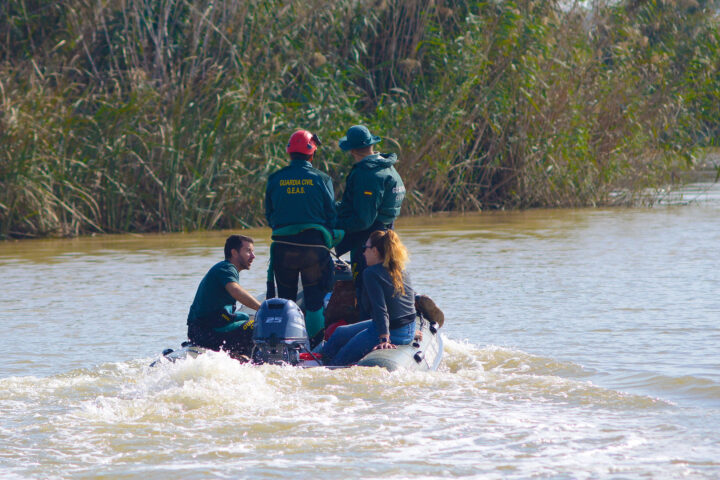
520,375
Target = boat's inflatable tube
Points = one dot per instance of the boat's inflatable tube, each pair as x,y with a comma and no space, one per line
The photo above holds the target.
423,354
280,338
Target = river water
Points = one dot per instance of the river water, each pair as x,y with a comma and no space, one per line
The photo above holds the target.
578,344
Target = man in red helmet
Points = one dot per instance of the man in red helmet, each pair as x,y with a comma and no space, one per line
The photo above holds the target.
300,208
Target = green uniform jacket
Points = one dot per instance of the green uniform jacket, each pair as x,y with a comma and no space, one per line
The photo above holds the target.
373,192
299,194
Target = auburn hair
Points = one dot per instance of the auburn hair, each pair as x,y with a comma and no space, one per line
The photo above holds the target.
394,255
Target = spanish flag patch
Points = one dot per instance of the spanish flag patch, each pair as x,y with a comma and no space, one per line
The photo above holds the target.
368,193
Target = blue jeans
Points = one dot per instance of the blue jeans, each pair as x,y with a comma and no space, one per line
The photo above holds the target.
350,343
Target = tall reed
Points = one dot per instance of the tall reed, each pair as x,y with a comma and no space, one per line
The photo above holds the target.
147,115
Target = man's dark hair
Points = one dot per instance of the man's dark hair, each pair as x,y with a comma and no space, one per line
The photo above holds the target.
300,156
236,242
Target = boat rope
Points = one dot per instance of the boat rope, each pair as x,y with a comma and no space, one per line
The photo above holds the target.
312,355
294,244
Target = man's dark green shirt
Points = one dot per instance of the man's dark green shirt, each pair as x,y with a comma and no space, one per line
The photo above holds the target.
211,295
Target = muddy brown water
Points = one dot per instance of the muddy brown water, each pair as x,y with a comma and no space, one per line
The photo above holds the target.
578,344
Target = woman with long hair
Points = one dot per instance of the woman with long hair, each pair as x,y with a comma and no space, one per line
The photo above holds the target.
387,299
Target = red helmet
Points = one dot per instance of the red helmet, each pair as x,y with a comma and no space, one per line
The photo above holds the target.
303,141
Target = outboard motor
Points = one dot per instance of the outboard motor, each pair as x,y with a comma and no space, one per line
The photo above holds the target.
279,335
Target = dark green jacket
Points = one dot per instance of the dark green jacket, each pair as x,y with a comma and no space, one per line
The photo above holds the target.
373,192
299,194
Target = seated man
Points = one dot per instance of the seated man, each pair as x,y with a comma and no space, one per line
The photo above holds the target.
212,321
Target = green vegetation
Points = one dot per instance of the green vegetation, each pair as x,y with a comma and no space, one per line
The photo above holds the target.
168,115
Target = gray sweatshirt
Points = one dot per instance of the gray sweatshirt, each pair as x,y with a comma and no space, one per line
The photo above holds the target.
387,309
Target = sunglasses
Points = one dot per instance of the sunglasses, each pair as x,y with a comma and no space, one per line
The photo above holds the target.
316,140
365,247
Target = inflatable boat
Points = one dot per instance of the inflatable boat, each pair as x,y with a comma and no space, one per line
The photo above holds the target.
280,338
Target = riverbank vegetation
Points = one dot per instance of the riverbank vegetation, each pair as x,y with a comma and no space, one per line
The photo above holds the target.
168,115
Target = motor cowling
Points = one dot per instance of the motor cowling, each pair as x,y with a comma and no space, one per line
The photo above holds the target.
279,335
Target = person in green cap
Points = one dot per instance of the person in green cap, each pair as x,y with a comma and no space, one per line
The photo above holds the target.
212,321
300,209
373,195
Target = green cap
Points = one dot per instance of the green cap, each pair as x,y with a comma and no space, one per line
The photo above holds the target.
358,136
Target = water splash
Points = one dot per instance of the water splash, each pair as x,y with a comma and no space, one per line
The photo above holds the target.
522,376
212,415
